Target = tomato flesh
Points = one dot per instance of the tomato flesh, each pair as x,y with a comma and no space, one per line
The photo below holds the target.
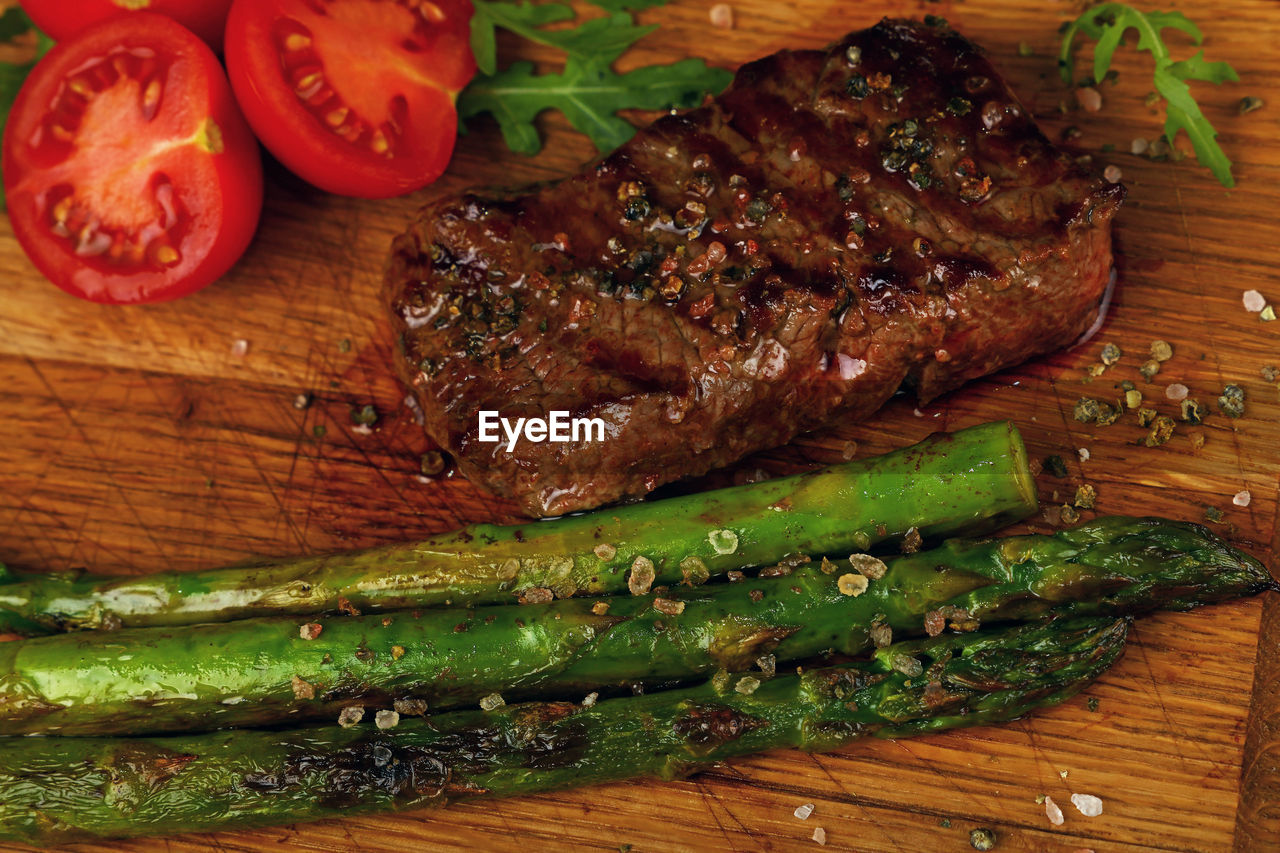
62,19
130,176
354,96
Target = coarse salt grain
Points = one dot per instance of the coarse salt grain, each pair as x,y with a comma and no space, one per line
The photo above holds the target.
1139,146
1113,174
868,565
852,584
386,719
1088,804
1177,391
804,811
1052,811
590,699
1084,454
820,835
1254,301
723,541
241,346
722,16
640,580
1242,498
1090,98
605,551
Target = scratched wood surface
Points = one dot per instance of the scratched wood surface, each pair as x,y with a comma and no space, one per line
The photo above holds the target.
144,439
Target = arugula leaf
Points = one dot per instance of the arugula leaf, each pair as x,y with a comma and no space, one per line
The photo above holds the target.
623,5
1107,24
522,18
588,94
588,91
14,24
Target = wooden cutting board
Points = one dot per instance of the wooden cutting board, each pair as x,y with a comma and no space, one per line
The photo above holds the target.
167,437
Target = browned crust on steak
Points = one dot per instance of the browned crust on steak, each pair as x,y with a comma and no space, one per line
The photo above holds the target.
889,215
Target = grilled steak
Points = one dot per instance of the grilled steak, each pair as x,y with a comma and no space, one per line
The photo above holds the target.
836,225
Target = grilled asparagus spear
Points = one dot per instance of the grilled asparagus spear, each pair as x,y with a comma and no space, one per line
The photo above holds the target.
269,670
969,482
55,790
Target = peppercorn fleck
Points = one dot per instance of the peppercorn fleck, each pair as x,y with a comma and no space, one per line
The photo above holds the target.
1161,431
1055,467
1232,401
982,839
303,689
1086,410
695,571
1086,496
881,633
1249,103
410,707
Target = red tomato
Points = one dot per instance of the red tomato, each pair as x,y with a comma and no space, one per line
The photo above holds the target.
353,96
129,172
64,18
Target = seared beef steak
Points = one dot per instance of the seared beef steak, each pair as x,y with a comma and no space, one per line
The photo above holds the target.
836,224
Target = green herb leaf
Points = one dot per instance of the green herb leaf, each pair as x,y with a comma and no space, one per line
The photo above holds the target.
522,18
14,24
588,91
624,5
588,94
1107,24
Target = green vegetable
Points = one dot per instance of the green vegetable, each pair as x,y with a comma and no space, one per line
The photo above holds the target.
588,91
273,670
970,482
1107,24
57,790
15,24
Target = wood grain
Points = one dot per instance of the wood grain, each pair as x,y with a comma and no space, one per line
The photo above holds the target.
136,440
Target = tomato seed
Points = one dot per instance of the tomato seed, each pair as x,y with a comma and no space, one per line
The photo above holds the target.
151,98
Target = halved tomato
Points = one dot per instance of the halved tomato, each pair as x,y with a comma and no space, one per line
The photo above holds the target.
129,172
353,96
64,18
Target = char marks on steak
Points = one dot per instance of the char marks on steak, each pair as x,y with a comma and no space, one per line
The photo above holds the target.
837,224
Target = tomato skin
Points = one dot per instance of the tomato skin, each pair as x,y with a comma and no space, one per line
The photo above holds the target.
373,71
61,19
216,185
